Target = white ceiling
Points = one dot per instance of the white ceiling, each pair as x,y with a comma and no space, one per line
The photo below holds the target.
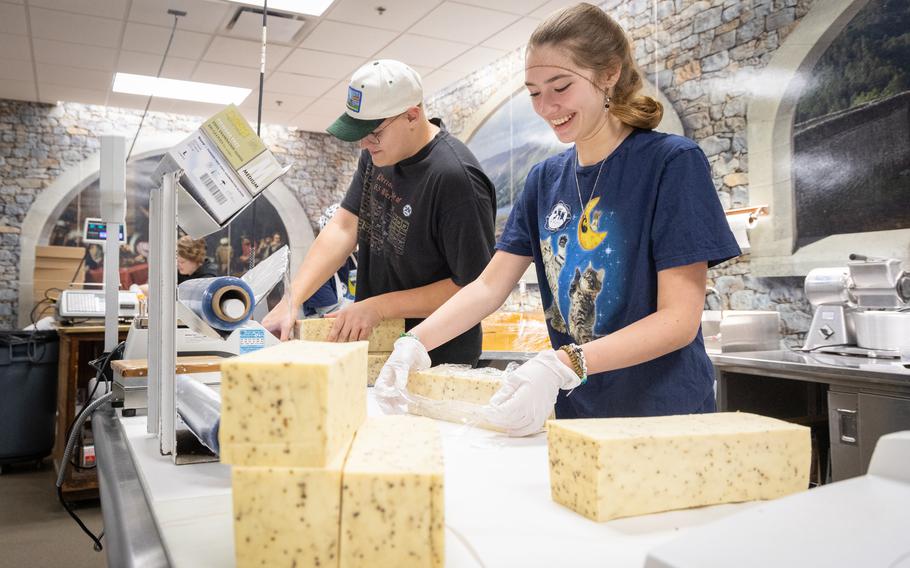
69,50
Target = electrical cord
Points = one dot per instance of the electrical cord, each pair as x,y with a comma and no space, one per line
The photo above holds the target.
67,455
101,364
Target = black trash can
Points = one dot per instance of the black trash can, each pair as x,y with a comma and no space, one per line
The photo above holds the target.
28,394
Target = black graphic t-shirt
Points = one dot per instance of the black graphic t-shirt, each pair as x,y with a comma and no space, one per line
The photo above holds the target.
427,218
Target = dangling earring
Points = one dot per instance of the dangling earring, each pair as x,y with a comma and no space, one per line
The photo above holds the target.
607,100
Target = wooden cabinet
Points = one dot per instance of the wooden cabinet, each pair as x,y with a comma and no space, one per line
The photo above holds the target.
78,346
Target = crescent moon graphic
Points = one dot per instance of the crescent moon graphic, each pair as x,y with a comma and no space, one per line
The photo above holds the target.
588,237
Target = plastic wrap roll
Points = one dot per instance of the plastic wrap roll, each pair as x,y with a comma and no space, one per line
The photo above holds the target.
200,407
224,302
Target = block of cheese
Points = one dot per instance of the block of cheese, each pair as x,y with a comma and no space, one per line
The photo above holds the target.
392,505
296,404
287,516
375,361
456,382
381,340
454,393
620,467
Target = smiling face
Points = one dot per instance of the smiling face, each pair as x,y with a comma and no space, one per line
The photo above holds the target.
565,95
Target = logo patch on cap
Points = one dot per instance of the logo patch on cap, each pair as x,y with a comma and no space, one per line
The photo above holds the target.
354,99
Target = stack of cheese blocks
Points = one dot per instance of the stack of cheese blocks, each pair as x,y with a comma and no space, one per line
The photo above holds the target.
620,467
381,340
316,483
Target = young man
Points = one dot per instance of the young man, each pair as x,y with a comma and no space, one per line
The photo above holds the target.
419,207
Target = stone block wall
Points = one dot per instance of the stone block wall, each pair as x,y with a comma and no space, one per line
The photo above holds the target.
704,56
39,141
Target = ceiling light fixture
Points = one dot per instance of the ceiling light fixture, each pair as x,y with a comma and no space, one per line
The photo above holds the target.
176,89
305,7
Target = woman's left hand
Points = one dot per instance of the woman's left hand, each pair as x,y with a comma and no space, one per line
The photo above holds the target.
528,394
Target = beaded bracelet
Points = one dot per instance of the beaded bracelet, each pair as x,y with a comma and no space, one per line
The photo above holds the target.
577,358
408,334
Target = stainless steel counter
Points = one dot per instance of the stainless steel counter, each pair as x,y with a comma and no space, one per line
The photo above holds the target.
842,370
131,535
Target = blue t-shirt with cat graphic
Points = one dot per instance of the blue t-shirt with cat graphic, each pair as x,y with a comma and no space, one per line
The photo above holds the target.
654,207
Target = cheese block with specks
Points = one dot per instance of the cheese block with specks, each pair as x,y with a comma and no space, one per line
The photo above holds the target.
454,393
381,340
374,365
287,516
456,382
296,404
619,467
392,505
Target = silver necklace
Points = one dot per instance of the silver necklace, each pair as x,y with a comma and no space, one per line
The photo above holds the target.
584,204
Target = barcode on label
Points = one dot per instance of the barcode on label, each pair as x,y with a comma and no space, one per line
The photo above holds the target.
213,189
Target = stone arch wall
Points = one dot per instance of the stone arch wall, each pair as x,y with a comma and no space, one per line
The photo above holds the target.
39,142
51,202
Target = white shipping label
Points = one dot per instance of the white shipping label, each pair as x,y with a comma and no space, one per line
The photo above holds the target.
210,178
260,172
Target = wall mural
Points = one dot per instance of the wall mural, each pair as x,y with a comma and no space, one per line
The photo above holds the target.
508,144
851,132
257,232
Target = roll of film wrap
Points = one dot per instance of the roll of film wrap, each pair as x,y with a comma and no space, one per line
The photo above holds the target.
223,302
200,408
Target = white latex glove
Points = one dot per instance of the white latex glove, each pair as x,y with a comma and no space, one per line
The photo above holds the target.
528,394
409,355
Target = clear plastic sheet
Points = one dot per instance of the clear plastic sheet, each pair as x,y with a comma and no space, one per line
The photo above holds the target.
200,407
462,398
268,273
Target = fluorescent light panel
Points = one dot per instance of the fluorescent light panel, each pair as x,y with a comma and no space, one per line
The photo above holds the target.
305,7
180,90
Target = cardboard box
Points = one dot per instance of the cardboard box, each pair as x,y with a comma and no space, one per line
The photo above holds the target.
254,164
207,176
56,267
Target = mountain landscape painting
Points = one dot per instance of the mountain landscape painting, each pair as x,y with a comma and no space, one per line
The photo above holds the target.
508,144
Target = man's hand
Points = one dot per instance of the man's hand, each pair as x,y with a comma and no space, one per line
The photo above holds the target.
280,321
355,321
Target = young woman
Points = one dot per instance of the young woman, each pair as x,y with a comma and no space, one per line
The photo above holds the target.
621,229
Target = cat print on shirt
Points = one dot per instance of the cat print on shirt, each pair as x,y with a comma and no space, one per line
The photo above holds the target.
583,294
553,264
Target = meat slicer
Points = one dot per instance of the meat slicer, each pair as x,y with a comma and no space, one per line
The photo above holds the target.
860,309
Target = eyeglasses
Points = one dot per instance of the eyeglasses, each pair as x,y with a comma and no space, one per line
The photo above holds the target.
374,137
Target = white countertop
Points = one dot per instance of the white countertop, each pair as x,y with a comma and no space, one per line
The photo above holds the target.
498,507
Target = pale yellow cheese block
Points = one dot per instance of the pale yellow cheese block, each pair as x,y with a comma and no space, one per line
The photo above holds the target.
381,340
287,516
392,506
454,393
620,467
449,382
296,404
375,361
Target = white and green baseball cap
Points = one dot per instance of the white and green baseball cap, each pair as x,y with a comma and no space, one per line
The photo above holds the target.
379,90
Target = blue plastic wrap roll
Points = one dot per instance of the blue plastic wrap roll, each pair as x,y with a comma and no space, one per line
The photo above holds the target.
223,302
200,407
